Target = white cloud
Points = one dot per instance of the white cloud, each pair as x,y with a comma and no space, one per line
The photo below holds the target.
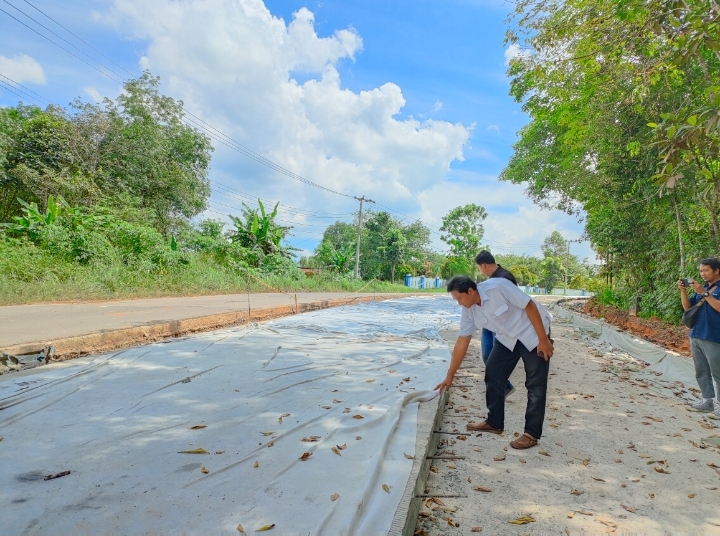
234,64
514,51
94,94
438,105
22,68
494,128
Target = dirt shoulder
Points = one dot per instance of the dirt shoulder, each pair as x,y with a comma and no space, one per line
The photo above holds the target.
616,456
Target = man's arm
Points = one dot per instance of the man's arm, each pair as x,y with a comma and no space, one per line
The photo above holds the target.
710,299
544,347
683,295
459,351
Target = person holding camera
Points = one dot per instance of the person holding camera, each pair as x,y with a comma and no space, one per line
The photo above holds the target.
705,333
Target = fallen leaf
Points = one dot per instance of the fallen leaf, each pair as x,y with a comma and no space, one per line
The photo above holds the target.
462,437
327,407
305,456
577,492
358,417
336,401
544,453
369,381
691,495
409,457
406,379
311,439
198,427
204,470
386,488
630,509
358,438
661,470
342,447
609,524
522,520
346,410
500,458
336,451
476,529
571,515
256,465
391,371
267,433
583,512
334,497
483,489
219,452
265,527
194,451
56,475
438,501
651,495
371,406
241,530
710,464
586,461
598,479
452,523
618,460
444,509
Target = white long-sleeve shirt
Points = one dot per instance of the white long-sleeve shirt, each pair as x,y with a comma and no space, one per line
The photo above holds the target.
502,311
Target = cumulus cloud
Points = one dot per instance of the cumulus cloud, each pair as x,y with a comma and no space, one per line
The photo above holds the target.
94,94
275,87
514,51
22,68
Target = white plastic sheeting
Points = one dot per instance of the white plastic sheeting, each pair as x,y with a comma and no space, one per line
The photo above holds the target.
673,367
118,422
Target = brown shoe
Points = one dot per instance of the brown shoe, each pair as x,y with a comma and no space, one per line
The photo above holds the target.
483,427
525,441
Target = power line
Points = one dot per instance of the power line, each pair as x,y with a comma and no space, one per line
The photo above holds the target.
26,89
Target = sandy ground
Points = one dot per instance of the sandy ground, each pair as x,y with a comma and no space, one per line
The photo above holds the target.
616,456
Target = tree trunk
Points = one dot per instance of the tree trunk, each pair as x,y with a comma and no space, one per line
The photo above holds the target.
681,244
392,273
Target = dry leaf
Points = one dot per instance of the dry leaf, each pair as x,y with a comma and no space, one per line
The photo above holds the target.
630,509
571,515
598,479
194,451
476,529
256,465
438,501
267,433
386,488
282,417
577,492
583,512
391,371
219,452
500,458
334,497
311,439
305,456
198,427
358,438
544,453
522,460
661,470
691,495
522,520
483,489
336,451
336,401
651,495
369,381
265,527
241,530
327,407
609,524
406,379
409,457
204,470
342,447
452,523
370,406
358,417
586,461
462,437
346,410
710,464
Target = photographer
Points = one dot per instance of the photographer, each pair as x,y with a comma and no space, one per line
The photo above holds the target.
705,334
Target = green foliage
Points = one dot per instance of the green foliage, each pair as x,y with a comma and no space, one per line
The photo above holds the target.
464,230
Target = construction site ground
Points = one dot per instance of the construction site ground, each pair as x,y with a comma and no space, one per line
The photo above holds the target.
617,456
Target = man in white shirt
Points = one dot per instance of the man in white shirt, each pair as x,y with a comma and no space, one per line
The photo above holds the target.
522,328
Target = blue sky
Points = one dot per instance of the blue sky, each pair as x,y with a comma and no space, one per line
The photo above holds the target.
405,102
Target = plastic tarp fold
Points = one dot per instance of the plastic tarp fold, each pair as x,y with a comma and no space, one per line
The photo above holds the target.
348,379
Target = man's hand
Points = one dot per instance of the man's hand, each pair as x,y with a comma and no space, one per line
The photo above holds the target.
697,287
444,385
681,286
545,349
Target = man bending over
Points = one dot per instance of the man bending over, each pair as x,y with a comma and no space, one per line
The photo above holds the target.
522,329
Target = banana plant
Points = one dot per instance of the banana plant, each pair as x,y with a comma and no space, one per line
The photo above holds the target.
257,230
33,219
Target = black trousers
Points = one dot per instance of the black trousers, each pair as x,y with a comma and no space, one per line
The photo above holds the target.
501,363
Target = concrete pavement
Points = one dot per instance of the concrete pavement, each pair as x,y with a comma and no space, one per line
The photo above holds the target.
27,328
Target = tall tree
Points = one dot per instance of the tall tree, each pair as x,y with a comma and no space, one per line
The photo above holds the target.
464,230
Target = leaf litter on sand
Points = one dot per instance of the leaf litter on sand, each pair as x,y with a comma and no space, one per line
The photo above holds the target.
305,456
241,530
386,488
267,433
482,488
336,451
524,520
198,427
409,456
266,527
204,470
334,497
194,451
311,439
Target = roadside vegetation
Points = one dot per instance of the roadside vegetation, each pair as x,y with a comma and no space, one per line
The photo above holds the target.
624,100
103,201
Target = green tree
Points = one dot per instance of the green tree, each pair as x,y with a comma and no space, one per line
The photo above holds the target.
464,230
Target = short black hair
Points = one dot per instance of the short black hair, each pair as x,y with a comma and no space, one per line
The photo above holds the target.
461,283
484,257
712,262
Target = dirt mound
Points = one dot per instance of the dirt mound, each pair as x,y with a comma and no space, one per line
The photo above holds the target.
662,333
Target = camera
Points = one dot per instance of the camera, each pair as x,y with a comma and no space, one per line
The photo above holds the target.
686,282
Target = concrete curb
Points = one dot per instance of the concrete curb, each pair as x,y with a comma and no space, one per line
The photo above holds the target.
106,341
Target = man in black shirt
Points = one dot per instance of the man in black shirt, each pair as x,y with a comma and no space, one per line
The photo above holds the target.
489,268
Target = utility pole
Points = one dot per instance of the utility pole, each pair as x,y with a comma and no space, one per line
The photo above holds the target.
359,228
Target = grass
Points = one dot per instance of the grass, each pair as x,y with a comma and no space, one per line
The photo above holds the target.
44,278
